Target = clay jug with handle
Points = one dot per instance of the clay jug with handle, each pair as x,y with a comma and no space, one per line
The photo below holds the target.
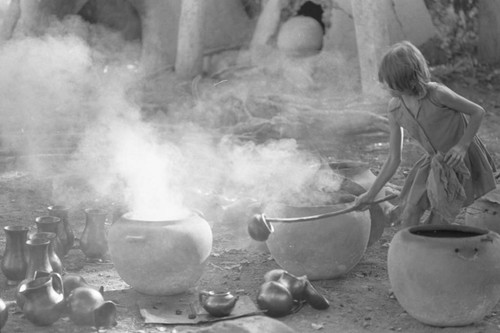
44,299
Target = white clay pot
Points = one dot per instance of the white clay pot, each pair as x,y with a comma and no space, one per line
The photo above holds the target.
160,257
483,214
445,275
300,36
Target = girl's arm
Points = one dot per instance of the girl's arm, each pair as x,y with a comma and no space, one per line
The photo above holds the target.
454,101
390,166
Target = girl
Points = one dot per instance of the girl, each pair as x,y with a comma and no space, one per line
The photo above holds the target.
456,168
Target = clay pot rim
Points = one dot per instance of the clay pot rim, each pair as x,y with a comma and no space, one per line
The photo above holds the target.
44,235
16,228
57,208
47,219
129,217
38,241
95,211
412,231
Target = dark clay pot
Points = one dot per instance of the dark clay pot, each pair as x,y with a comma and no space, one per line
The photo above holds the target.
87,308
218,304
93,241
51,224
14,260
65,231
445,275
44,299
275,299
163,257
54,259
71,282
321,249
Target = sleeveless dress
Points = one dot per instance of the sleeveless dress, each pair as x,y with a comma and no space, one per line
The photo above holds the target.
437,128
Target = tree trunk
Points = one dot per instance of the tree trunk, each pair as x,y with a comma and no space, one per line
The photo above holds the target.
489,28
10,21
372,39
189,59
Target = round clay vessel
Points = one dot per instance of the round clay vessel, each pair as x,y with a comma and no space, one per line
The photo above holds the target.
300,36
483,214
160,257
321,249
445,275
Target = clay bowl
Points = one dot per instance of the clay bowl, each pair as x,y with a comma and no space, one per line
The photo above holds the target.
321,249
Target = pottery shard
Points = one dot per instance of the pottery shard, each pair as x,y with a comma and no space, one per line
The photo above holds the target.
255,324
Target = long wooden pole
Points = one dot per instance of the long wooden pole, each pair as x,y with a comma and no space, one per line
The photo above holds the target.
189,58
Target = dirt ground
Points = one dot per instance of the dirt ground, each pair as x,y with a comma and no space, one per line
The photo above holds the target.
361,301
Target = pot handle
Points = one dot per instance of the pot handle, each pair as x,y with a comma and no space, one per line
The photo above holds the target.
135,239
201,296
57,283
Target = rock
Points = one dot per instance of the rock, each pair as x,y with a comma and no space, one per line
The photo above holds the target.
254,324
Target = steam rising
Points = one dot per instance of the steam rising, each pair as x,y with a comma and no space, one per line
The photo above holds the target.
65,83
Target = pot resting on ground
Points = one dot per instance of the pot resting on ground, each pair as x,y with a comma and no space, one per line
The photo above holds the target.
445,275
164,257
321,249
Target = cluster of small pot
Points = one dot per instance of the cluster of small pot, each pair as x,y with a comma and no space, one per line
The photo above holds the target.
283,293
48,297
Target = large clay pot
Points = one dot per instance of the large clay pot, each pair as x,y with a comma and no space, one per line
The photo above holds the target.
160,257
321,249
483,213
445,275
358,178
14,260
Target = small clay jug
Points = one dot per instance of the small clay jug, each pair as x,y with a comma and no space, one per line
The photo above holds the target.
71,282
64,232
54,259
87,308
218,304
295,285
93,242
51,224
14,261
44,299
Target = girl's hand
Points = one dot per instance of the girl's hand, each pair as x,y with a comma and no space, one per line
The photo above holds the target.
455,156
363,201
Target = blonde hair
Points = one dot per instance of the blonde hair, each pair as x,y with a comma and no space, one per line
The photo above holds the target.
403,68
